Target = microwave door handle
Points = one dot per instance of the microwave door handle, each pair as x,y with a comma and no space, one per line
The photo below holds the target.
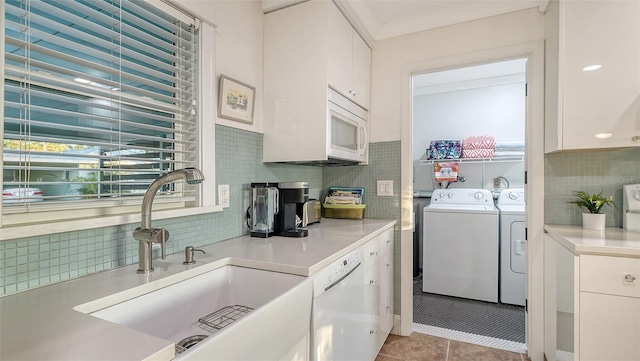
363,146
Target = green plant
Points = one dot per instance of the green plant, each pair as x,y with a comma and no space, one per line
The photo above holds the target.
90,188
593,203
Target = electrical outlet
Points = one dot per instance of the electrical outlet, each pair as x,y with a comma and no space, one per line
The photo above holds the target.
496,183
223,195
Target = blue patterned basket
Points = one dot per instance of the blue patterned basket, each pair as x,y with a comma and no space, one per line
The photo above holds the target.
444,149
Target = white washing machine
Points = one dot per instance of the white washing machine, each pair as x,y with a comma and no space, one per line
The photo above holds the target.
460,250
513,247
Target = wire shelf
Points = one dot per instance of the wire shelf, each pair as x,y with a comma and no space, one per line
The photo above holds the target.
224,317
498,159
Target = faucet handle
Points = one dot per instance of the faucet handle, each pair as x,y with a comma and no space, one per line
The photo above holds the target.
164,237
159,235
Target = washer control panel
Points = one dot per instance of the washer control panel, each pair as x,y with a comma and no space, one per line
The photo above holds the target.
514,197
462,196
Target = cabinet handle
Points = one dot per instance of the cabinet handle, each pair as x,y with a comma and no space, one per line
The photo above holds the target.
373,253
635,138
372,282
630,278
371,332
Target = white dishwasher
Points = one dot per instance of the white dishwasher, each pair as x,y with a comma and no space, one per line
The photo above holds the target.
337,320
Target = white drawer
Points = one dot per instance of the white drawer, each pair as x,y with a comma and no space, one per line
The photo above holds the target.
610,275
373,250
372,284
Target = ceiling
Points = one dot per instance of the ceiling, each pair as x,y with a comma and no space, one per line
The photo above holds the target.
385,19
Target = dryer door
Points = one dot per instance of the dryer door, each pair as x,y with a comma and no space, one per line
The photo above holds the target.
518,248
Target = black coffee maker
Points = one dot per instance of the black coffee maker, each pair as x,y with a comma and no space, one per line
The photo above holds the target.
293,195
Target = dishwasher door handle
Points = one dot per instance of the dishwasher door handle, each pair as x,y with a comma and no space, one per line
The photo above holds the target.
342,278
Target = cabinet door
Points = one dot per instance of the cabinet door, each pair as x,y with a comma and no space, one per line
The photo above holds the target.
339,50
609,327
361,71
372,286
386,293
607,100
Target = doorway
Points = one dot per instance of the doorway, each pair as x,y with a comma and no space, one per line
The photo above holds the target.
484,108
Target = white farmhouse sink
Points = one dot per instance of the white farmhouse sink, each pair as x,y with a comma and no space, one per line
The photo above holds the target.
280,303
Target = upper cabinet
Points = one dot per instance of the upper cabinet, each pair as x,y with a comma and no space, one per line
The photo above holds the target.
310,48
592,75
349,62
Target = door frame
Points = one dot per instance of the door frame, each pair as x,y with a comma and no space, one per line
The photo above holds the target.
534,168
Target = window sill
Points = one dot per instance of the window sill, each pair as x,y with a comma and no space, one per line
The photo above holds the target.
39,229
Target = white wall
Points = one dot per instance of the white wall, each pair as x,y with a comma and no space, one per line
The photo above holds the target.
498,111
238,47
509,36
391,56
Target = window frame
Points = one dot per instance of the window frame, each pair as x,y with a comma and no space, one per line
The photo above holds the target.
18,225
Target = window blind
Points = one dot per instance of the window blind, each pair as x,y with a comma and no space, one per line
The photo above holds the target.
100,99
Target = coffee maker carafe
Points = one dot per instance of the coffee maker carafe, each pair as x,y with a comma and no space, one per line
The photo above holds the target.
263,209
293,195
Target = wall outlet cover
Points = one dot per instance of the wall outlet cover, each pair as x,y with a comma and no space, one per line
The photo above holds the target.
385,188
223,195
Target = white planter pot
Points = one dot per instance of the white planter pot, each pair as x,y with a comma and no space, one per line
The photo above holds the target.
593,221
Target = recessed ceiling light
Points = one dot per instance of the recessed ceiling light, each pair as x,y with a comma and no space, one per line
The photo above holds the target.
592,67
603,135
83,81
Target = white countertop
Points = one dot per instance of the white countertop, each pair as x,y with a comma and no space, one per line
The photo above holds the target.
41,324
613,241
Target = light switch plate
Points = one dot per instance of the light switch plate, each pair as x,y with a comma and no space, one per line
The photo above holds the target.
385,188
223,195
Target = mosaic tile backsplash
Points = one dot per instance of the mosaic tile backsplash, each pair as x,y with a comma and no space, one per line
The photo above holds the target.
32,262
384,164
37,261
592,172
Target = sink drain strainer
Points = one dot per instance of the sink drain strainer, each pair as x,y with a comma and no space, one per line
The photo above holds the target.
188,342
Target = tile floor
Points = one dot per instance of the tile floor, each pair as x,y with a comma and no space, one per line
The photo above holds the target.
421,347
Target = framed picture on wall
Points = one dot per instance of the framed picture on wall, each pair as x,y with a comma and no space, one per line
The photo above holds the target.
236,100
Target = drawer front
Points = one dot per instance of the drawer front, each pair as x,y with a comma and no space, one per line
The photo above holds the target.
373,250
372,283
371,253
609,327
610,275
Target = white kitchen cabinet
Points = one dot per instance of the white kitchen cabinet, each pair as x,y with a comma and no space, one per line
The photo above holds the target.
592,305
349,62
609,308
378,279
599,108
308,48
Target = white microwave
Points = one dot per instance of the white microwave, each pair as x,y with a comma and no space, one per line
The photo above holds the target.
347,130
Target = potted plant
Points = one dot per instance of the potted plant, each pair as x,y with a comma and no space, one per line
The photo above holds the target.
593,203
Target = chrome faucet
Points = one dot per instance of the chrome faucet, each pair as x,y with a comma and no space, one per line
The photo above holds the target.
147,235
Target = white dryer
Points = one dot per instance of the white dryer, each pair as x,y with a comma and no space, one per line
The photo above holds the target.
513,246
460,244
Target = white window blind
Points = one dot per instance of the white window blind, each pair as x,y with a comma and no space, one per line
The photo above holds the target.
99,100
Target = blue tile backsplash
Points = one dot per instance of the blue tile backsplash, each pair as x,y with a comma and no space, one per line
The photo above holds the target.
37,261
592,172
32,262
